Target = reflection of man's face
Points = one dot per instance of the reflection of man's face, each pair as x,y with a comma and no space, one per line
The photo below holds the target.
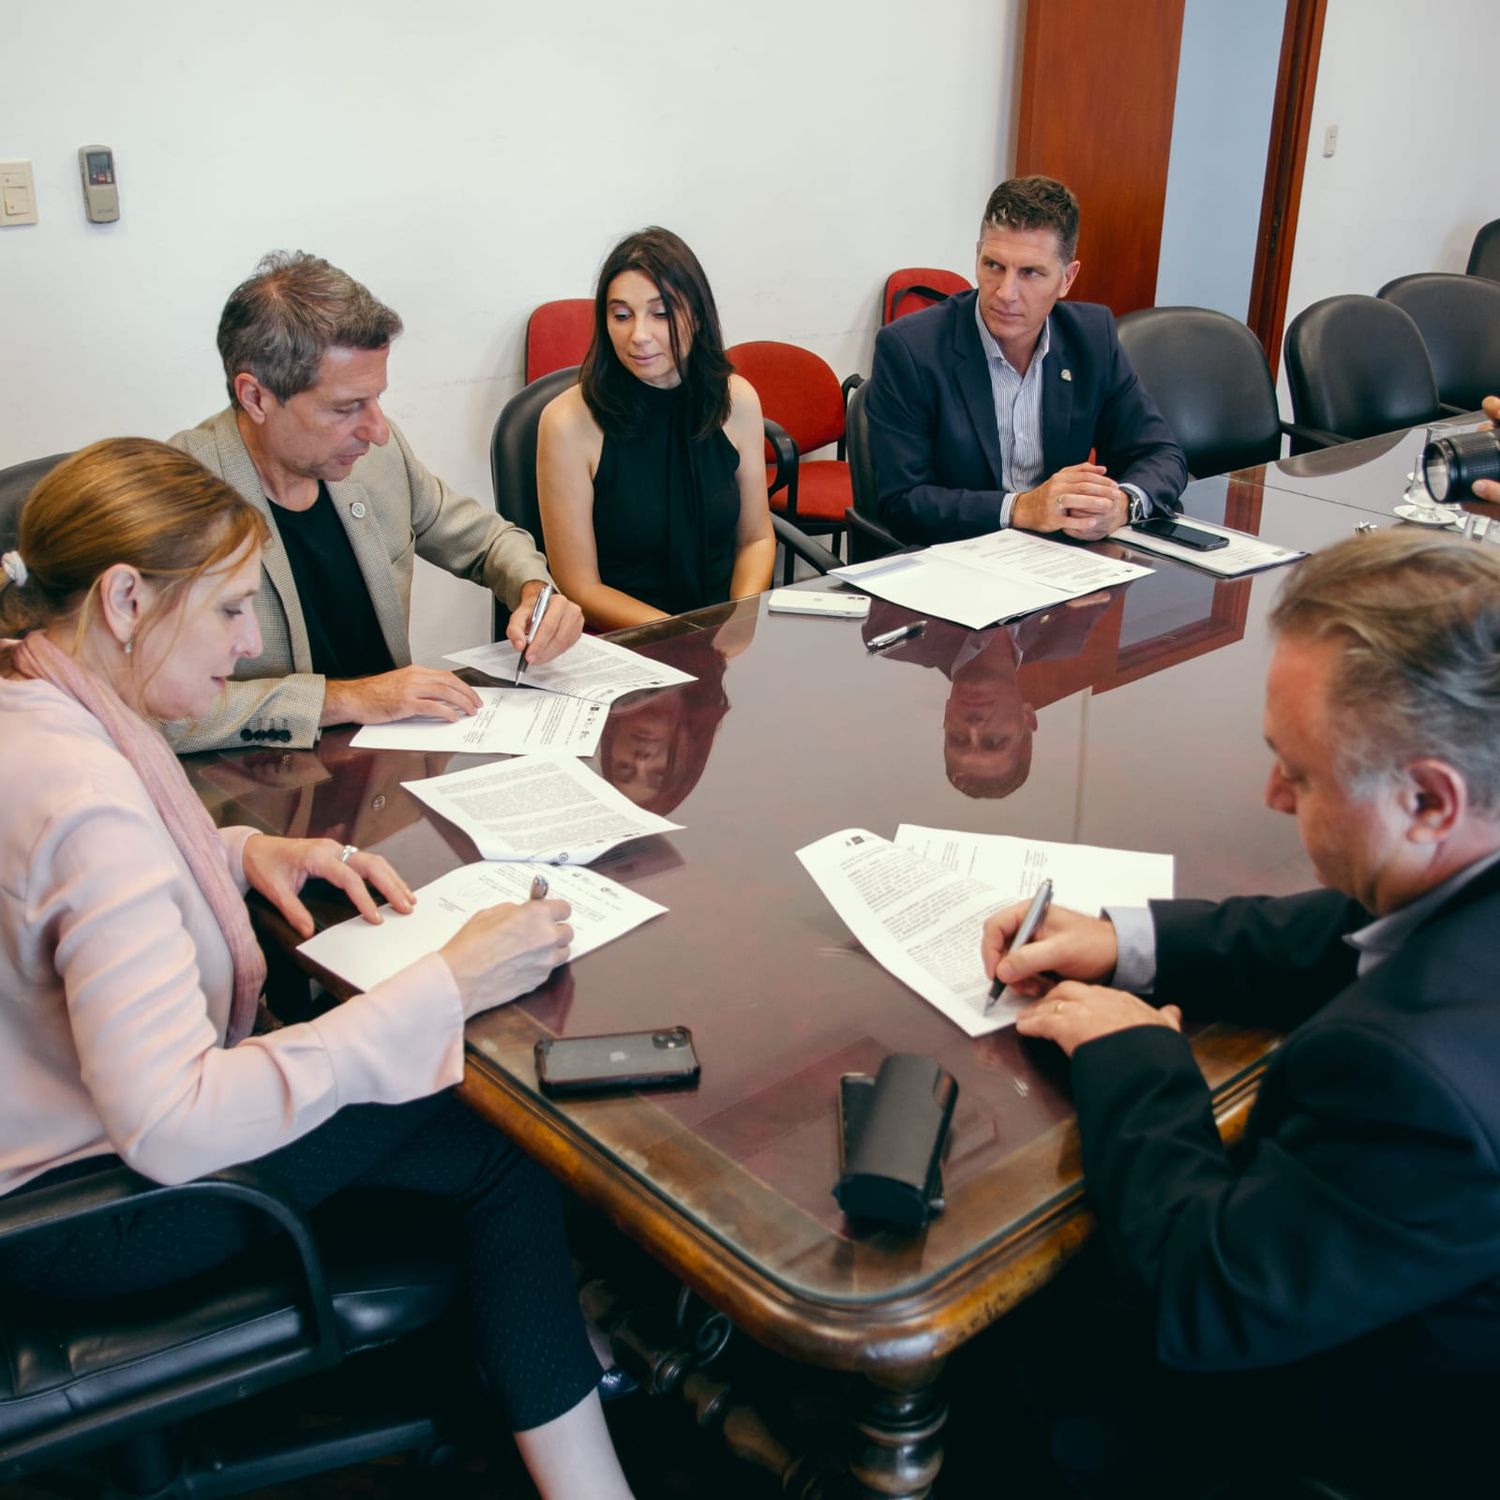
987,727
640,754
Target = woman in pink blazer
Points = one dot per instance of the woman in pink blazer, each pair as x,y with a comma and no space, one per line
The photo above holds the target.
129,976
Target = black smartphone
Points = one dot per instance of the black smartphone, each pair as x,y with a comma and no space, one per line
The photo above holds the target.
1169,529
625,1060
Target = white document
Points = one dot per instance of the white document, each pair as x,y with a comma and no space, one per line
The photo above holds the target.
1084,876
590,668
916,918
545,808
365,954
1244,554
510,721
985,579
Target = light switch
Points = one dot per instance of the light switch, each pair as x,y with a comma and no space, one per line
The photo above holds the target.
1330,140
17,194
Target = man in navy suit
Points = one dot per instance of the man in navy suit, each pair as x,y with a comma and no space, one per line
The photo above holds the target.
983,410
1338,1276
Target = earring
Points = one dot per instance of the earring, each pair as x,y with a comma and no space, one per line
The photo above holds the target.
129,647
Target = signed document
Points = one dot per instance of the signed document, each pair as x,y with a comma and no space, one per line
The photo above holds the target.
364,954
985,579
546,808
597,670
510,721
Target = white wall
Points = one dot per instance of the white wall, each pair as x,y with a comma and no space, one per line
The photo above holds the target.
468,159
1412,90
1221,126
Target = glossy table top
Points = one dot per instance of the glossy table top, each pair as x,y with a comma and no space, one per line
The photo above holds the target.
1147,736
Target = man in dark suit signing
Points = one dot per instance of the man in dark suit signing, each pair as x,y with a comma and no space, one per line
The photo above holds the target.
1343,1265
983,410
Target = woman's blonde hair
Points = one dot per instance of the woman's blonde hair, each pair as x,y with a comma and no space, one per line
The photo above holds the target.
123,500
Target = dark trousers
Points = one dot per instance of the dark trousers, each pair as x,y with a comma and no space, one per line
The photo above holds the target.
431,1157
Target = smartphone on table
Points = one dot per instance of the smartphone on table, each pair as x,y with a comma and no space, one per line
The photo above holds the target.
623,1060
1170,529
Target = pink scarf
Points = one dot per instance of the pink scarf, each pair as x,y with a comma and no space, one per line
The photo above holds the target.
186,818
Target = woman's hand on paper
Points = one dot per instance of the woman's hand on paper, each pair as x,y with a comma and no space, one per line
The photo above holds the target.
506,950
278,868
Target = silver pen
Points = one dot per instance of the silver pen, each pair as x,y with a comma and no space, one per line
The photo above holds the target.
1031,924
538,609
892,637
539,887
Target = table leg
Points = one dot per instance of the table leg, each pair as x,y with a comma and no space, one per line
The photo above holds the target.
898,1440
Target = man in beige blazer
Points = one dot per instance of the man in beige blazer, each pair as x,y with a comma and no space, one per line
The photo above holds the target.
304,440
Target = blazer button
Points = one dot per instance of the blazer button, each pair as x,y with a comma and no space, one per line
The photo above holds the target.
357,510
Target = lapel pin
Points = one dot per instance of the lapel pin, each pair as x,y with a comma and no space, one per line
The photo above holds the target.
357,510
1067,375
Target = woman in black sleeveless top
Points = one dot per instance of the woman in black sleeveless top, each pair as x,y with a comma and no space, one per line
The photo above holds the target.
651,470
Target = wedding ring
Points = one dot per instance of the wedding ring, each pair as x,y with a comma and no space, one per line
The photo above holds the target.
347,853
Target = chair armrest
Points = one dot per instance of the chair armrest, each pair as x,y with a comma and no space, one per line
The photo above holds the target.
873,531
119,1190
1311,437
847,387
801,545
1448,409
784,452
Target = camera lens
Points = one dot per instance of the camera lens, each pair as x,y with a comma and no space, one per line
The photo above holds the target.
1451,465
668,1038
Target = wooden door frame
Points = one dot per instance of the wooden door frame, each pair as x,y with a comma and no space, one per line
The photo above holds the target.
1286,155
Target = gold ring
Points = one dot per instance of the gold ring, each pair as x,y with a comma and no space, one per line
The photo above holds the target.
1057,1009
347,853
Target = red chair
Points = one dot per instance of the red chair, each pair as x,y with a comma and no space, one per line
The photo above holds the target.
803,404
558,334
917,287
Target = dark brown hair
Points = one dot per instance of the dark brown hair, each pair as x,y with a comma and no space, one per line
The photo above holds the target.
1035,203
610,391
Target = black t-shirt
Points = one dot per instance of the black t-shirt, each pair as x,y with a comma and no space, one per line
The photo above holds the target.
342,629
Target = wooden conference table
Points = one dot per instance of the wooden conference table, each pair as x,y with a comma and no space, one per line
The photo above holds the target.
1147,736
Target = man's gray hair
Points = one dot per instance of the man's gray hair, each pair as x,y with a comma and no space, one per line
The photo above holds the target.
277,325
1418,621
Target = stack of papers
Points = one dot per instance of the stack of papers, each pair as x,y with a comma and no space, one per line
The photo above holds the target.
510,721
917,906
538,808
985,579
590,668
364,954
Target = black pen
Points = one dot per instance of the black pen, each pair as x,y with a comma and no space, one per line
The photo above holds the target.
891,637
539,887
537,611
1031,924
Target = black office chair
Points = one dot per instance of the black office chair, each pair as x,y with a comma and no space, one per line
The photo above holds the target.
1209,378
513,476
1459,319
16,484
1357,366
1484,255
868,538
127,1373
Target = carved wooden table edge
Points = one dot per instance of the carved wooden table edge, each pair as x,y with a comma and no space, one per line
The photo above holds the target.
895,1343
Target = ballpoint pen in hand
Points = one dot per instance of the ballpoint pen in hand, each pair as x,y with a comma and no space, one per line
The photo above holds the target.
538,609
1031,924
539,887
